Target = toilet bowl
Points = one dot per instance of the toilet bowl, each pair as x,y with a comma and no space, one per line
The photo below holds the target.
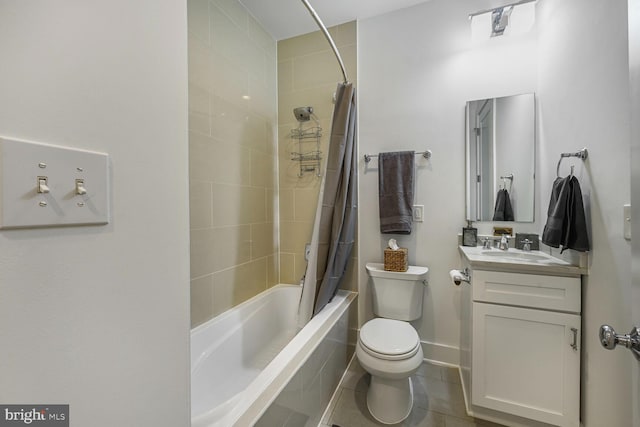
390,351
388,346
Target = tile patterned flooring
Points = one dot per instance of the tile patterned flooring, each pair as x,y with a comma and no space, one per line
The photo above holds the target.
438,400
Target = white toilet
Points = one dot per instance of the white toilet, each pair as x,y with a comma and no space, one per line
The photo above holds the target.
388,346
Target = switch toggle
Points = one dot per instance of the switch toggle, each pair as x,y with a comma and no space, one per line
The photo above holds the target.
42,184
80,189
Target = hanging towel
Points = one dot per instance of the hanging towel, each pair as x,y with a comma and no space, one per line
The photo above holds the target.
503,210
566,223
395,191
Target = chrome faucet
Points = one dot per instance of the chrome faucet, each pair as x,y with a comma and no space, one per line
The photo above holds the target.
526,245
504,243
486,243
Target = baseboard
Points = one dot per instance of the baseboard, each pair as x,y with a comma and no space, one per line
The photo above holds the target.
441,353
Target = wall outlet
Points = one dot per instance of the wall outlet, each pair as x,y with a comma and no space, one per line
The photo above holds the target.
418,213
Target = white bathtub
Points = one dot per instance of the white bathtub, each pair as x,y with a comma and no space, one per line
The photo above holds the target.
242,359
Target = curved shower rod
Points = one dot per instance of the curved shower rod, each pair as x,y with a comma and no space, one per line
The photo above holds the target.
328,37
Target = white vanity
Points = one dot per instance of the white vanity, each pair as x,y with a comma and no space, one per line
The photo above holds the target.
520,337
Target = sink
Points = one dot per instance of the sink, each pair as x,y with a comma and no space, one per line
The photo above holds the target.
525,256
517,260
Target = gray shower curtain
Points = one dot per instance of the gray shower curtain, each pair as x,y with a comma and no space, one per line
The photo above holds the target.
335,224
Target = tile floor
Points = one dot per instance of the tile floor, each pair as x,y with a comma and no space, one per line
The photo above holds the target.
438,400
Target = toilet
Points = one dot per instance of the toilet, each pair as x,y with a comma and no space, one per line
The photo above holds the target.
388,346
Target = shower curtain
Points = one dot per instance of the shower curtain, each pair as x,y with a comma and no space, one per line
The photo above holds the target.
335,222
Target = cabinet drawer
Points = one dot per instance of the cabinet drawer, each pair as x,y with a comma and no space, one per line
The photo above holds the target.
527,290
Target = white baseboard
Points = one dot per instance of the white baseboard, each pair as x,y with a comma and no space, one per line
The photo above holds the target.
441,353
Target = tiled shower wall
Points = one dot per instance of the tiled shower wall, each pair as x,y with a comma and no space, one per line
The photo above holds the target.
307,76
232,155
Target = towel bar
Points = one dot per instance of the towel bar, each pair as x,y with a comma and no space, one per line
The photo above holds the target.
426,154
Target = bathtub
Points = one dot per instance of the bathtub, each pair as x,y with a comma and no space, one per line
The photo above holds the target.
243,360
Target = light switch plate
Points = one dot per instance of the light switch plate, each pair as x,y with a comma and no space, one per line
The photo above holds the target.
25,204
418,213
626,218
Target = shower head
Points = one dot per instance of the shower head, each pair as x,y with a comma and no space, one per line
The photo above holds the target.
303,114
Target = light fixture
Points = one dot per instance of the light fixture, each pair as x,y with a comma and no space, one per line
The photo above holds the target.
500,20
510,19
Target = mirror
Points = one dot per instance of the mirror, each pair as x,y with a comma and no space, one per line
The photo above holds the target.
500,161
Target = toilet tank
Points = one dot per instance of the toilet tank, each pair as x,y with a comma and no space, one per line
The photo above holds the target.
397,295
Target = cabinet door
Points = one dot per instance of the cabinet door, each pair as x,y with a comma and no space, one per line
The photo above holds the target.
524,363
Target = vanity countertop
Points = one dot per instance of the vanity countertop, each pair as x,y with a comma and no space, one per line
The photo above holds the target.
518,261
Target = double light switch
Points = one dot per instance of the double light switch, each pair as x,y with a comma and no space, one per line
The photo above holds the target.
71,185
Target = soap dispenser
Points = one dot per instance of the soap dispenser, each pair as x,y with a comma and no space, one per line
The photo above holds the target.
469,235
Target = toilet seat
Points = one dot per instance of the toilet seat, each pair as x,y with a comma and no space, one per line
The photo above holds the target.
389,339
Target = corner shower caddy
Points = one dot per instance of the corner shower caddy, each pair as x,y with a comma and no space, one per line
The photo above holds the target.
308,157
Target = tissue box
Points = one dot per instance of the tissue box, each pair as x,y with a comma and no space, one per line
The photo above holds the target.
396,260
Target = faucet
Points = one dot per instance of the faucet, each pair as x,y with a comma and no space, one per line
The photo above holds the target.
486,243
504,243
526,245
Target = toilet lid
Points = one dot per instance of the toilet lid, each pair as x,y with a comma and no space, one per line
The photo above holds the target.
389,337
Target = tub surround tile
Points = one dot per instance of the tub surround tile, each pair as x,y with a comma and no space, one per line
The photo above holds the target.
232,155
315,69
200,123
294,235
302,45
285,77
305,202
263,241
200,204
271,207
201,149
198,20
262,169
228,39
287,271
230,82
272,270
286,204
299,265
200,64
261,37
350,281
235,11
307,76
199,101
201,300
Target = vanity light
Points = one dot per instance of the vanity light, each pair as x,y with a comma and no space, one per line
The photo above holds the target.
511,19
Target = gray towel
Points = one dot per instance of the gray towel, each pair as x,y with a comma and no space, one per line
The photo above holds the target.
395,191
566,223
503,210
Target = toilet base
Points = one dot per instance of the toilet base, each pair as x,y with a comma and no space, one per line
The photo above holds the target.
390,400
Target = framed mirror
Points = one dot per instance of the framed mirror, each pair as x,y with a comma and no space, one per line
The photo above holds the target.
500,160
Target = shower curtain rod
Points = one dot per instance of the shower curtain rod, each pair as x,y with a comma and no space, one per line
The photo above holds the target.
328,37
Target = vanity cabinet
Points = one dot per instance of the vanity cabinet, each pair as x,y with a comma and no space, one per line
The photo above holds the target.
526,356
523,337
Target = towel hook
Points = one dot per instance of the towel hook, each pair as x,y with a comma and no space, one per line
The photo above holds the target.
504,181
